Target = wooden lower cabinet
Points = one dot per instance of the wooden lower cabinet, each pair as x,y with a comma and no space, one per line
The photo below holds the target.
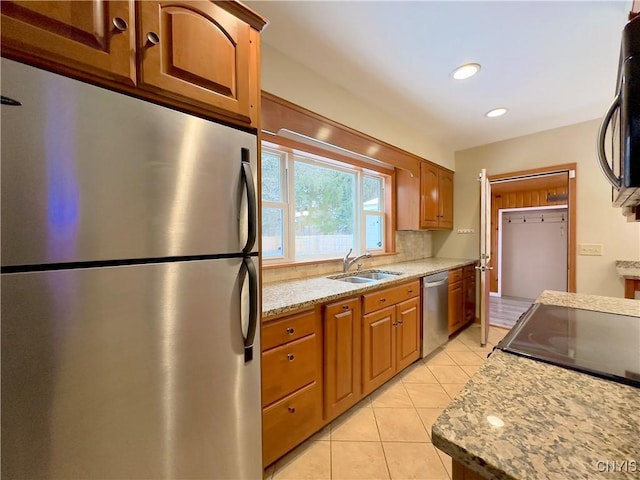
390,335
462,297
291,382
342,348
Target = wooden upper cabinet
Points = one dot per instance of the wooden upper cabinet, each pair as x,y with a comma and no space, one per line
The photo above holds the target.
199,53
445,199
96,37
425,202
429,210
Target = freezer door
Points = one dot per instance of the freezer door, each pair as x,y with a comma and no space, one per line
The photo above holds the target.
133,372
92,175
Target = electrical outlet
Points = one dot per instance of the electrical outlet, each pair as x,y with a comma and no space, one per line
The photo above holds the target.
465,230
590,249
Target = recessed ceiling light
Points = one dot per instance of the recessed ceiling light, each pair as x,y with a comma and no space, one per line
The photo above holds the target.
465,71
496,112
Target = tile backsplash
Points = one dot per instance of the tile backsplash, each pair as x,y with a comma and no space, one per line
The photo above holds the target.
410,245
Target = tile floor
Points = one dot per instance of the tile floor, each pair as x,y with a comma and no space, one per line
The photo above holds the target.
387,435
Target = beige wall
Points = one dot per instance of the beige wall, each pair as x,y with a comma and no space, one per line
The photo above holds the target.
597,220
296,83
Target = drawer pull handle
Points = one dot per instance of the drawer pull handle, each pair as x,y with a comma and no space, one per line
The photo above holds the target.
291,357
383,300
345,307
290,330
291,409
410,291
120,24
153,38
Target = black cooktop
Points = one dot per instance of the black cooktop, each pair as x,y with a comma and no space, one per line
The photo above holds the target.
605,345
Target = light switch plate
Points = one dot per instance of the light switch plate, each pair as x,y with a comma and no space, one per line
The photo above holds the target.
590,249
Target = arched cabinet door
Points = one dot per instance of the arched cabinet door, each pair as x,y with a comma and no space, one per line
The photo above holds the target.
95,37
199,53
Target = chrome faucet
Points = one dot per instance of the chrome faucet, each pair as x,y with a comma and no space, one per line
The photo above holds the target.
346,263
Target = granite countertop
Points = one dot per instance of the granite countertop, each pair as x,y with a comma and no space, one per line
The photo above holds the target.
628,269
558,423
290,295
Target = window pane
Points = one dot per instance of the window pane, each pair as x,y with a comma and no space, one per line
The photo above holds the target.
324,211
272,233
271,177
374,232
372,200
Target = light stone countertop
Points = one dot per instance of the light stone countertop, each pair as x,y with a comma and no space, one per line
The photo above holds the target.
628,269
291,295
558,423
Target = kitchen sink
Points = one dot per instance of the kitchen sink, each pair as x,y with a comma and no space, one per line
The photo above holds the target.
377,275
370,276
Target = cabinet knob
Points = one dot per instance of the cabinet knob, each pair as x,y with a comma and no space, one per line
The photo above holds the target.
410,290
153,38
399,322
382,300
395,324
290,330
345,307
291,357
120,24
291,409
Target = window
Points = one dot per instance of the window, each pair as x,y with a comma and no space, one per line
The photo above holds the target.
315,208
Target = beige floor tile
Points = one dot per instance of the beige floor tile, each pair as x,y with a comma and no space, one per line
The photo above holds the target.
471,370
440,358
446,461
358,460
449,373
418,373
428,416
482,351
466,358
394,395
311,460
496,334
455,345
452,389
400,425
414,461
427,395
356,425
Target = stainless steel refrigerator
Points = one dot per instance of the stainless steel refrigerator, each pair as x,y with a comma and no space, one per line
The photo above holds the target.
129,287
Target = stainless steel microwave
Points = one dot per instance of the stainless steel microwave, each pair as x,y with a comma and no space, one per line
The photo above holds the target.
623,119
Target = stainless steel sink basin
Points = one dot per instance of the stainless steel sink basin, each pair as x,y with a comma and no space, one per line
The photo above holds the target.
370,276
377,275
355,279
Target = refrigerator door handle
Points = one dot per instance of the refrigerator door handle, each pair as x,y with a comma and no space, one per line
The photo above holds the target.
247,176
250,269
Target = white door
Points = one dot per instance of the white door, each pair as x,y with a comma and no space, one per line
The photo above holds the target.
485,254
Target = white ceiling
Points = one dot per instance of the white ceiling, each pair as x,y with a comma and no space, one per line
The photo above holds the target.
550,63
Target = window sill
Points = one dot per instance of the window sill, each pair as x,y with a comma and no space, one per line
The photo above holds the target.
270,266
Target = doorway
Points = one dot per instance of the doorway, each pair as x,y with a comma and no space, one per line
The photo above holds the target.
516,196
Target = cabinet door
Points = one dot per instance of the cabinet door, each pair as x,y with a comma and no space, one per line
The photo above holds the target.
378,348
455,306
342,368
429,208
469,298
407,333
88,36
199,53
445,199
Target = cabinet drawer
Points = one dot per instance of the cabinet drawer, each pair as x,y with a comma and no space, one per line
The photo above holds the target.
291,420
287,329
469,270
288,367
390,296
455,275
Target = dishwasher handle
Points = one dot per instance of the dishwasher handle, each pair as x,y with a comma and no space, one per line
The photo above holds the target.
435,284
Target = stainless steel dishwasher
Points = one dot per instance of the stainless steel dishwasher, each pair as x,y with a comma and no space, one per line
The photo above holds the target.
435,311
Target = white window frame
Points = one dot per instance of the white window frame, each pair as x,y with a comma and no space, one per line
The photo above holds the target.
288,157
